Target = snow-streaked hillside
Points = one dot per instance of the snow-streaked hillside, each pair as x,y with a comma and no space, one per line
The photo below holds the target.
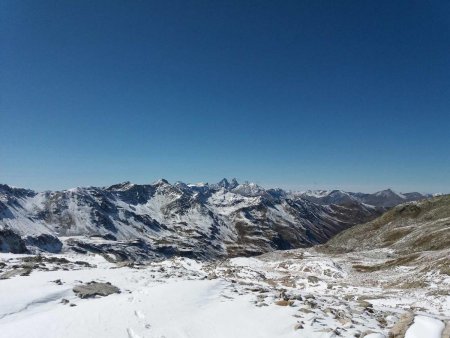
193,220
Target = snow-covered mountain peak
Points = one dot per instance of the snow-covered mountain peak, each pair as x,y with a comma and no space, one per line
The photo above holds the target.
315,193
224,183
18,192
121,186
161,181
249,189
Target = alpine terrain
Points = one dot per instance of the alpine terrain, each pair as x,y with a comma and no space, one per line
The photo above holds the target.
173,261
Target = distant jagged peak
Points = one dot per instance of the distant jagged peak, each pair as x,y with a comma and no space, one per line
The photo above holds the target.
324,192
199,184
388,193
161,181
180,184
121,186
318,193
224,183
338,192
18,192
249,189
384,192
9,187
78,189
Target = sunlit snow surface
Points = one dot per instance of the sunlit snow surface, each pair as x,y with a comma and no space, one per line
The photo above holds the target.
186,298
424,326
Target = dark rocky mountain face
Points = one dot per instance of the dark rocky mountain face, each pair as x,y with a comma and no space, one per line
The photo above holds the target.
11,242
130,221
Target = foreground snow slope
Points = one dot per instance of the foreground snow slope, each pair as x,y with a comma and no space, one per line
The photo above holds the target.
149,306
173,309
299,293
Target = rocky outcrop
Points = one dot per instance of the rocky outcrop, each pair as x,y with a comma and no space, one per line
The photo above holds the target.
11,242
446,332
94,289
44,242
401,326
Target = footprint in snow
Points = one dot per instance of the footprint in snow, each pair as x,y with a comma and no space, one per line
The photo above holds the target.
139,314
132,334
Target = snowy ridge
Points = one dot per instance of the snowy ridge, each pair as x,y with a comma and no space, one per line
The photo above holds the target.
385,198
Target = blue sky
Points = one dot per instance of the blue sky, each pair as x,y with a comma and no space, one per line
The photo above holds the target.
296,94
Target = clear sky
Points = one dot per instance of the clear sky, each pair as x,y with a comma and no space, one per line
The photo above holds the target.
296,94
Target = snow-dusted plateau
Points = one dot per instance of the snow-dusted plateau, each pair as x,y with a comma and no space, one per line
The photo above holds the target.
223,260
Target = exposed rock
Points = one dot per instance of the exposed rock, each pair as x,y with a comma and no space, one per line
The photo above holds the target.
47,259
364,303
401,326
305,310
313,279
446,332
93,289
11,242
283,302
298,326
15,272
45,242
211,275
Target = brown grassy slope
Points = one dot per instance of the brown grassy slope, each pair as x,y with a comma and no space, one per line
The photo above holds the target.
407,228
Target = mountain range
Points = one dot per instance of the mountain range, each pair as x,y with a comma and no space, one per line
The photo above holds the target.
226,219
